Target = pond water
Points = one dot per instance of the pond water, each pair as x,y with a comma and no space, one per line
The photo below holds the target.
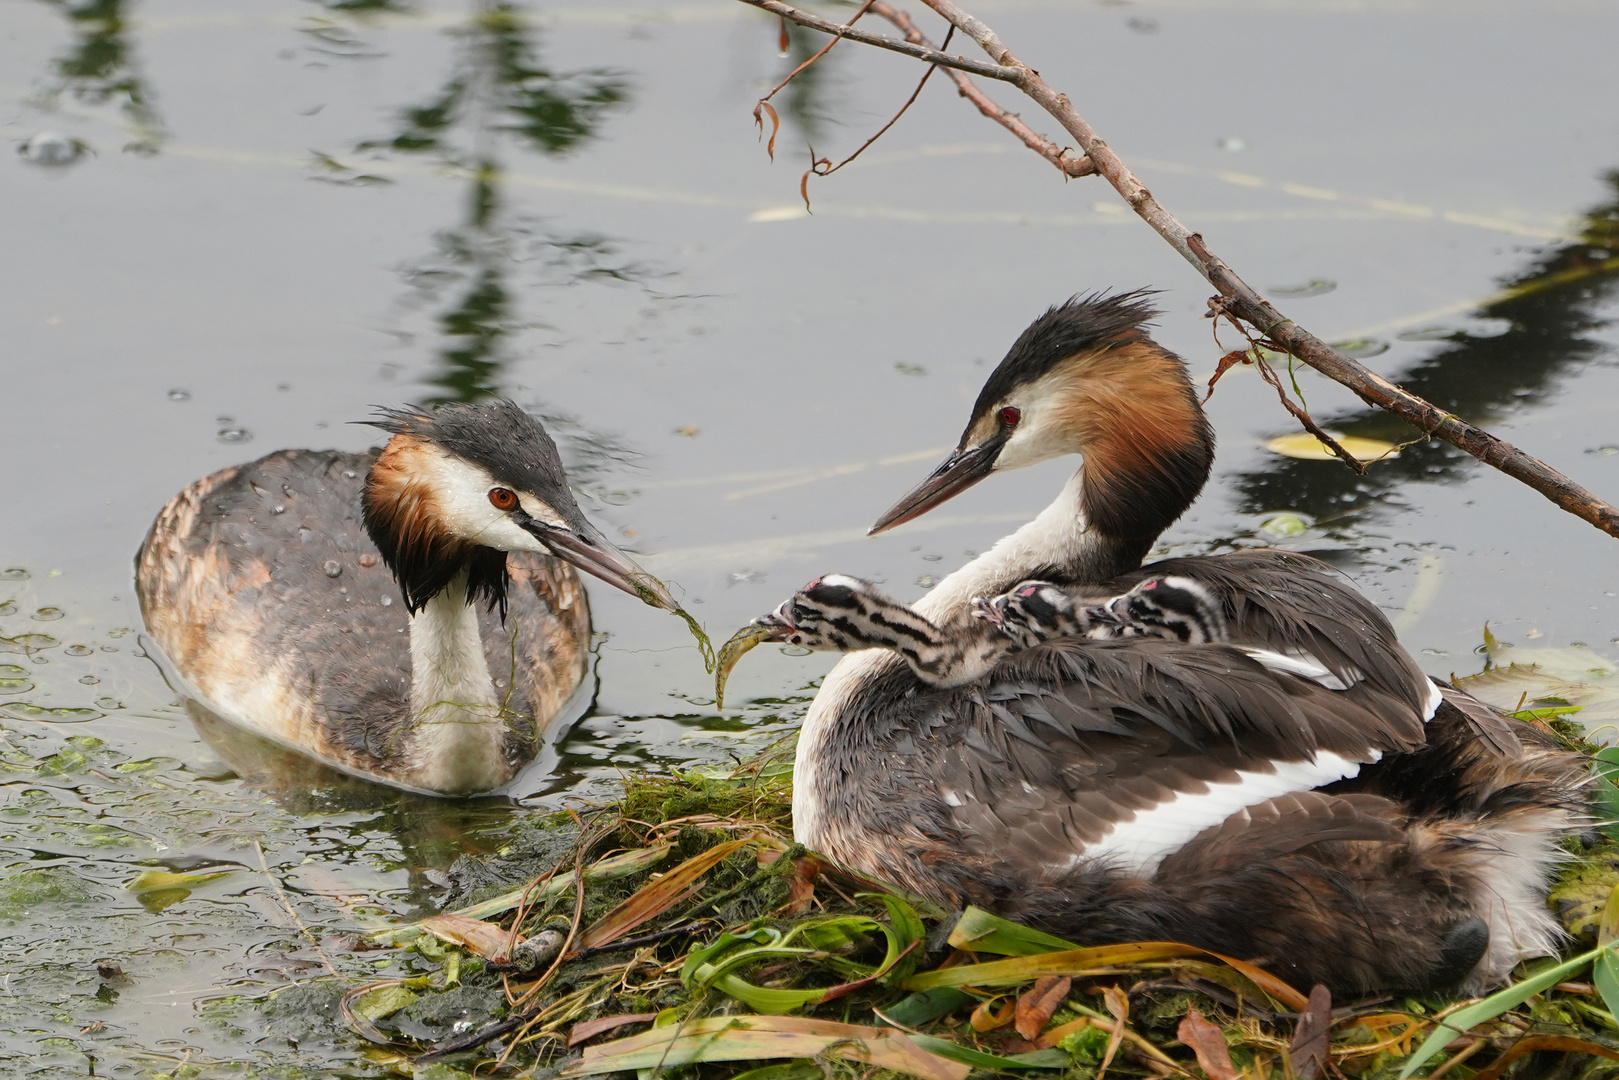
234,227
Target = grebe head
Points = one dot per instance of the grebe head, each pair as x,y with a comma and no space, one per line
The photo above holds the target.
458,487
1085,378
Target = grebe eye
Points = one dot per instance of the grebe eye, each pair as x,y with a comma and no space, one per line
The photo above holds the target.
1010,415
502,498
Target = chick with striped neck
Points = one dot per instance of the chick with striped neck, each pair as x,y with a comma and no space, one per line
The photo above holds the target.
1293,791
838,613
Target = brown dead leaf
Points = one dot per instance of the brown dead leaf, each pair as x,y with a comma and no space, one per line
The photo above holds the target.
1208,1043
1227,362
987,1018
589,1029
484,938
1309,1049
1119,1006
1267,982
653,899
1034,1008
1566,1043
801,885
775,125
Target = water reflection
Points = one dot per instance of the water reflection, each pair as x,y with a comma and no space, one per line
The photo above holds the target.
497,93
99,68
1535,336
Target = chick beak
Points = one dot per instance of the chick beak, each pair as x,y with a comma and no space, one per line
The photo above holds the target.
585,547
960,471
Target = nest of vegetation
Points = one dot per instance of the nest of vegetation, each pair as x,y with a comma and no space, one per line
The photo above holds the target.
680,931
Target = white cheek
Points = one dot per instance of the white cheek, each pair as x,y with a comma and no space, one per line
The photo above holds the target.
1034,441
462,490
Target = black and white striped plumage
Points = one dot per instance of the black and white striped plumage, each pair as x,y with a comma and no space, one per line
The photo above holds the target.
838,613
1293,790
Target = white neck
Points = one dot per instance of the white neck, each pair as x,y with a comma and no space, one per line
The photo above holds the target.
1058,536
457,742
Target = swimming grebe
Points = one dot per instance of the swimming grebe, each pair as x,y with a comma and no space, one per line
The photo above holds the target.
1293,791
268,587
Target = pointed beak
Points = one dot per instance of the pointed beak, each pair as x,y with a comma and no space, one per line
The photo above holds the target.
586,548
959,472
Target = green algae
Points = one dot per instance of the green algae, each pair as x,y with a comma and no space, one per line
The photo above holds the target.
27,891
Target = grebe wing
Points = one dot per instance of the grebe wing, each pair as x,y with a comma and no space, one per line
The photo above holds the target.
1126,749
1301,607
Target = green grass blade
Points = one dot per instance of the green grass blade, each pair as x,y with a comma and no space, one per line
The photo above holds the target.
1039,1059
1497,1003
979,931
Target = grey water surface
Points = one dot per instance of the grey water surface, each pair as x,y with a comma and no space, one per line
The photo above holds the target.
233,227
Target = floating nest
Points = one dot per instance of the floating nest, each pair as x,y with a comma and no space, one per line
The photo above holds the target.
680,930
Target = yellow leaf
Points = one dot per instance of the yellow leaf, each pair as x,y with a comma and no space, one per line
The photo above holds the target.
751,1038
153,880
654,899
1307,447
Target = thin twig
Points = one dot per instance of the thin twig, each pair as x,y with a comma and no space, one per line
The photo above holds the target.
1236,296
837,36
286,904
843,30
1071,164
923,81
685,928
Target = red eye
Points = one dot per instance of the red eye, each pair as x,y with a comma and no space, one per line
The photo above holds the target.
502,498
1010,415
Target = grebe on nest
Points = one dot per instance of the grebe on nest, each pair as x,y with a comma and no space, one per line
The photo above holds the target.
1291,788
263,586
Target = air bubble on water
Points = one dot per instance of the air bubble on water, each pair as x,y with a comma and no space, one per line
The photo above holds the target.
234,435
51,149
78,650
89,680
927,581
179,395
1231,144
48,614
108,703
14,574
8,608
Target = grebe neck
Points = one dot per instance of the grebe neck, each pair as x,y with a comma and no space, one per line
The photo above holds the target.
1060,544
456,722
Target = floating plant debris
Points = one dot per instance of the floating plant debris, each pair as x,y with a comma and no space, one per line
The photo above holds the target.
1306,447
733,650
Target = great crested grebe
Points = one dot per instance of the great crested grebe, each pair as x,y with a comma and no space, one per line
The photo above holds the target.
1292,790
263,586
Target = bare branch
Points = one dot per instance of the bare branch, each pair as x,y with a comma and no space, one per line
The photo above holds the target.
1073,166
1236,296
931,56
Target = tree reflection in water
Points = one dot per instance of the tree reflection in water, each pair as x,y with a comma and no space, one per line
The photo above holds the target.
99,68
1548,309
498,93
